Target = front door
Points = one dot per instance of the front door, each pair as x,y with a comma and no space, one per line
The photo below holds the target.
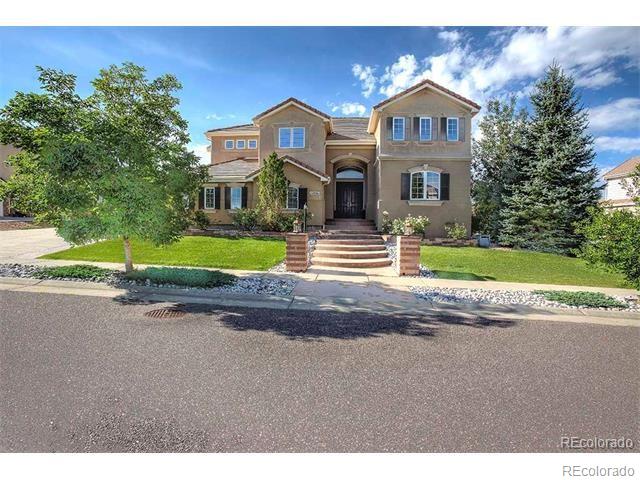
349,200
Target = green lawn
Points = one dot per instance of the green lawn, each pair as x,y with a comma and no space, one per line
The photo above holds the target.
241,253
471,263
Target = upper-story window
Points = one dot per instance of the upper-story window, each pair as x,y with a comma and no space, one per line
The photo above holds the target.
291,137
253,144
241,144
398,128
452,129
425,129
228,144
425,185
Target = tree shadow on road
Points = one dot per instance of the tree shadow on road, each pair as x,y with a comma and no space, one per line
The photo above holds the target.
324,325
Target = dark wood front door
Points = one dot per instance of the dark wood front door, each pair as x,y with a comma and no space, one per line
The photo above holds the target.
349,200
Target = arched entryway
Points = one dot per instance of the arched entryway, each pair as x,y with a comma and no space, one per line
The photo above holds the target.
351,197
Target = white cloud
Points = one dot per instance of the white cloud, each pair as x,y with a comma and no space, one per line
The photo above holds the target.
450,36
201,151
215,116
617,144
349,109
519,56
366,77
617,115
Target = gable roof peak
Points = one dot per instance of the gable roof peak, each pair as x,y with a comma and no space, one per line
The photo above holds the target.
428,83
295,101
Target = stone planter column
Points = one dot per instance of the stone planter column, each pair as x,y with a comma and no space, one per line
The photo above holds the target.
297,258
408,251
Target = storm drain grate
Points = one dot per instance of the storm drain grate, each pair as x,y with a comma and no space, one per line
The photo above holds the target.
165,313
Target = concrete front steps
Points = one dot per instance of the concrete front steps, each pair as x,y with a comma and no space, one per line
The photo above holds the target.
350,243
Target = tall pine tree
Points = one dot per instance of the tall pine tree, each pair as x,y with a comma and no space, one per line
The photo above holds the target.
495,163
559,175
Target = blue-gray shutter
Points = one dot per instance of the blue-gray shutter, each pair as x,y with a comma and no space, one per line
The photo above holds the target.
416,128
434,128
444,186
217,198
389,128
227,198
461,129
407,128
302,197
245,192
443,128
201,199
405,186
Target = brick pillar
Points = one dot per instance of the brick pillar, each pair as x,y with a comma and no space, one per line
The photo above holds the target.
408,261
297,258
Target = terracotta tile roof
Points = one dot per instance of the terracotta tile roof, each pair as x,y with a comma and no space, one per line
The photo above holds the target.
245,127
350,128
433,84
238,167
624,169
304,165
294,100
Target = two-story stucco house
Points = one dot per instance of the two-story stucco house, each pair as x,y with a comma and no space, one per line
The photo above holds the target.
410,156
615,194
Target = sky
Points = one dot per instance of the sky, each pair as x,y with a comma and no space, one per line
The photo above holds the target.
231,74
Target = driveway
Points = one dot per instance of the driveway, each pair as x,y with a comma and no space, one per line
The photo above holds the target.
18,246
93,374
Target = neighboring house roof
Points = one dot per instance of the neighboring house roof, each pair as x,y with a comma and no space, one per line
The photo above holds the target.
624,169
620,202
420,86
293,101
246,129
236,168
350,128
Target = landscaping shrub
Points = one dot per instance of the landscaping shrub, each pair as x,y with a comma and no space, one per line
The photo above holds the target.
386,224
80,272
612,239
281,222
190,277
200,219
582,299
246,219
456,231
419,225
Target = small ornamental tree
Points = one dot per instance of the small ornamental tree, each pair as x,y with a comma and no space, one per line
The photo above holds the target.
112,165
272,190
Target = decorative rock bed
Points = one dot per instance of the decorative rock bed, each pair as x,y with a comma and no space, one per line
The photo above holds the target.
500,297
255,284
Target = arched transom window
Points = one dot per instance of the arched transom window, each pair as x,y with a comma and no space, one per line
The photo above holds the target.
350,173
425,185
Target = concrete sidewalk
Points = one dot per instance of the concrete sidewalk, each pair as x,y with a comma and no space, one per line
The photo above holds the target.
364,303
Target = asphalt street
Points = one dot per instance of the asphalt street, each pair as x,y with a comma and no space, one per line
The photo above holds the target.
88,374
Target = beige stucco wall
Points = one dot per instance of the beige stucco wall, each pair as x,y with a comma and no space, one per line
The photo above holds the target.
457,209
362,157
291,116
425,103
220,154
295,175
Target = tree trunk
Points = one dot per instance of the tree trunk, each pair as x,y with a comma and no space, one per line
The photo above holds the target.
128,260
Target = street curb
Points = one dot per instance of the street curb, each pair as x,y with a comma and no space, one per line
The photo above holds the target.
302,303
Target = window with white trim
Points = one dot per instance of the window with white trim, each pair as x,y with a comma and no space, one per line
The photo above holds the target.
241,144
209,198
291,137
253,144
425,129
228,144
398,129
236,198
452,129
425,185
293,193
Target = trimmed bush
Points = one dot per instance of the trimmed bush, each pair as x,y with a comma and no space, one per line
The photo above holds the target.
582,299
80,272
200,219
189,277
456,231
246,219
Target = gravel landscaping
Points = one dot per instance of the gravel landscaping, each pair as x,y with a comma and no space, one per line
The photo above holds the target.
500,297
256,284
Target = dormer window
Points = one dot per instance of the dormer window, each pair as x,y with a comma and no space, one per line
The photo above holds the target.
452,129
241,144
291,137
253,144
228,144
398,129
